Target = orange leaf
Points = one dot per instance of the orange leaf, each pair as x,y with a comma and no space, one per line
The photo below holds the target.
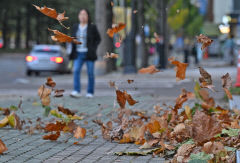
52,13
115,29
153,127
122,97
3,147
52,137
61,37
180,68
55,127
148,70
80,132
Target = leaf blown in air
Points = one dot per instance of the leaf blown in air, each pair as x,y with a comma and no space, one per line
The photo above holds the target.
50,82
3,147
44,94
110,55
115,29
226,84
205,79
180,68
148,70
204,40
61,37
122,97
52,13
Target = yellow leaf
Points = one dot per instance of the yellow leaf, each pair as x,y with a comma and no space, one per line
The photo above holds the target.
188,112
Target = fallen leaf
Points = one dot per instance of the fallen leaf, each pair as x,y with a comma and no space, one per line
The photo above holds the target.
58,92
52,137
204,127
115,29
204,40
149,70
180,68
213,147
80,132
3,147
61,37
65,111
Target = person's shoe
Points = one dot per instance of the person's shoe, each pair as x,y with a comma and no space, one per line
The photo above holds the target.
75,94
89,95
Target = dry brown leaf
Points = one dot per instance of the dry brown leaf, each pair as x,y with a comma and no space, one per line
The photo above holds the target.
58,126
50,82
185,149
44,94
3,147
52,137
58,92
205,79
61,37
80,132
149,70
130,81
213,147
52,13
180,68
226,84
204,127
110,55
122,97
183,97
66,111
115,29
204,40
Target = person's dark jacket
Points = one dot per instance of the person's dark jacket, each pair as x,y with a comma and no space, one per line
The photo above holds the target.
93,40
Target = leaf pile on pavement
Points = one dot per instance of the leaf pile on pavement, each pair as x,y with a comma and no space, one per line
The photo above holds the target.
204,132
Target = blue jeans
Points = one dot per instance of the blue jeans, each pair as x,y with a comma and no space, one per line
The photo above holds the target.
78,63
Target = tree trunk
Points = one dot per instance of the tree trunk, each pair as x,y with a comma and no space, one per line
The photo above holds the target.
5,30
104,17
38,31
162,27
130,43
141,22
28,26
18,30
209,15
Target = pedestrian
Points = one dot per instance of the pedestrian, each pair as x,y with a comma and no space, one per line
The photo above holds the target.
88,35
194,53
229,50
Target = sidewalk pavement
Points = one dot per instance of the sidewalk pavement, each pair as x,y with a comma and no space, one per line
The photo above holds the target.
32,148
